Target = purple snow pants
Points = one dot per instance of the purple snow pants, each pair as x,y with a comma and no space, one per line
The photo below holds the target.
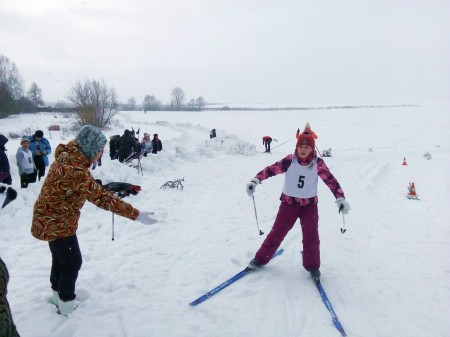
285,220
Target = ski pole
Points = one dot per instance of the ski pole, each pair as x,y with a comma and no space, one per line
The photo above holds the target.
112,238
318,151
281,144
256,216
343,230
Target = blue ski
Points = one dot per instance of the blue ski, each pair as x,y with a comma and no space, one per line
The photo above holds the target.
227,283
328,305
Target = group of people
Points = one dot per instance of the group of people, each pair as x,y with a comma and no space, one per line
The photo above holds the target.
31,158
128,146
69,184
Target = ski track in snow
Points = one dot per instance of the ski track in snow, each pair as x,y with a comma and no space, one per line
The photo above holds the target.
387,275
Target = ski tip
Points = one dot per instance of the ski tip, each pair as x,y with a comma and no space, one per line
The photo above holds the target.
278,252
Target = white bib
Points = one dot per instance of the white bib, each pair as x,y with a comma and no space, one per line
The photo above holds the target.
25,161
301,181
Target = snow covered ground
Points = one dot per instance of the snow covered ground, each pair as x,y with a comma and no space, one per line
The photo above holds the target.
388,275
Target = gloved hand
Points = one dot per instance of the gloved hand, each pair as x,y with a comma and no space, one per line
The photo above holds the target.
251,186
298,130
44,152
343,205
146,218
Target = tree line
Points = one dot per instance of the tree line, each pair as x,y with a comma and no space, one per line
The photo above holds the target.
13,98
93,101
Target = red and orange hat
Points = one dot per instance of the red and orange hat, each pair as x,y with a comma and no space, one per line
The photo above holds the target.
306,139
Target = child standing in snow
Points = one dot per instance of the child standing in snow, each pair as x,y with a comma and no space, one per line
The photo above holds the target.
156,144
25,163
298,200
57,209
146,144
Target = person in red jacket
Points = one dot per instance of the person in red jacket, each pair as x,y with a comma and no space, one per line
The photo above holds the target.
266,142
307,130
298,201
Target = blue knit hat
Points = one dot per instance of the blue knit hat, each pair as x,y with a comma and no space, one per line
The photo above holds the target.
91,140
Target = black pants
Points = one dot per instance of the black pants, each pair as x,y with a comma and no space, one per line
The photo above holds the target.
267,145
66,262
26,179
40,166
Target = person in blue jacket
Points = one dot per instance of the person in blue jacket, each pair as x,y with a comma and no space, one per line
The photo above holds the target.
40,148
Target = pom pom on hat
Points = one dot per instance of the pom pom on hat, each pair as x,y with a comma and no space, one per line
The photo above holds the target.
24,139
306,139
91,140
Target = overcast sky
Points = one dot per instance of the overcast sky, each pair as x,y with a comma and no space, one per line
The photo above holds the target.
235,51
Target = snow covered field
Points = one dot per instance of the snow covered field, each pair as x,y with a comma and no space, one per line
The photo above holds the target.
388,275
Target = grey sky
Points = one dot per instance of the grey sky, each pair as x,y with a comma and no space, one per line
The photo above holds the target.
235,51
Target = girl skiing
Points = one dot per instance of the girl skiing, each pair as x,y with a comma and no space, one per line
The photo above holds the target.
298,200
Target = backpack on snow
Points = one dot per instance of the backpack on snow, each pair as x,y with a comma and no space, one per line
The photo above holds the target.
121,189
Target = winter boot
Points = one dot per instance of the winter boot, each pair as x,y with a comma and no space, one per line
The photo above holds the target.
253,265
66,308
315,274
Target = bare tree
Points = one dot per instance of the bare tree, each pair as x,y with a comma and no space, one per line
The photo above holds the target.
200,103
131,104
177,98
191,105
196,104
10,78
151,103
34,94
96,103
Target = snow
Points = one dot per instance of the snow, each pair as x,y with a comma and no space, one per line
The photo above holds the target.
388,275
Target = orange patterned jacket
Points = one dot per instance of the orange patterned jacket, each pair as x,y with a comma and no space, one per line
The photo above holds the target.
66,188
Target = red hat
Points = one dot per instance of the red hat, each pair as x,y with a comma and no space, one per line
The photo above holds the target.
306,139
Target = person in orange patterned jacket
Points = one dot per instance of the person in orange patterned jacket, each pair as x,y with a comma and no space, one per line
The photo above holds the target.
57,209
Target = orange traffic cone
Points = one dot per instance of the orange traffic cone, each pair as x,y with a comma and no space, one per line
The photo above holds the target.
412,191
404,161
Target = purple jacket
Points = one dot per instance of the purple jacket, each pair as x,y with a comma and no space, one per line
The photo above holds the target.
322,170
